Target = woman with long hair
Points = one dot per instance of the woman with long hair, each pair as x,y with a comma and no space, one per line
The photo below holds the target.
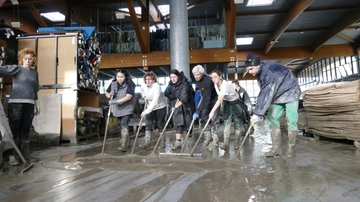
121,92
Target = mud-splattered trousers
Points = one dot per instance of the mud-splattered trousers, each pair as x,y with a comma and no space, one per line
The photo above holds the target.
213,125
20,120
232,115
123,123
291,114
158,115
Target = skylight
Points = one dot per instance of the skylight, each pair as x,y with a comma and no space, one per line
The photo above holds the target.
137,10
54,16
164,9
259,3
244,41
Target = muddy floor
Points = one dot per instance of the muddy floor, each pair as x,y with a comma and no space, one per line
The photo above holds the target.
322,170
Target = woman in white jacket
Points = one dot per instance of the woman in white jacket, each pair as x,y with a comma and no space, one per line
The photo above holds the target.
156,107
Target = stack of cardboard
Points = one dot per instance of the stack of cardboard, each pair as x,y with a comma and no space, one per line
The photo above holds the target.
333,110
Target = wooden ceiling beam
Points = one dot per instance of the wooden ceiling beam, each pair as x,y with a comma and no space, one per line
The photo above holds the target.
153,9
352,17
230,20
36,15
293,13
137,28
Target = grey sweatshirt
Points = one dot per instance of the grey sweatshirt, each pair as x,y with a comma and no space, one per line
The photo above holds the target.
25,83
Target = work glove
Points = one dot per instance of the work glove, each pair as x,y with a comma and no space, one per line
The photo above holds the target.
37,108
113,102
195,116
254,119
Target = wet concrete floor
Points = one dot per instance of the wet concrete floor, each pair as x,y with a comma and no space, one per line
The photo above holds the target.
320,171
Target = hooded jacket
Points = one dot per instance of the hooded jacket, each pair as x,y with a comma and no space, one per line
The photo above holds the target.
183,91
277,85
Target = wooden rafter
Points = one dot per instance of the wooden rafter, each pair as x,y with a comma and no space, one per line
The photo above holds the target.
293,13
336,28
130,4
230,12
153,11
346,37
36,15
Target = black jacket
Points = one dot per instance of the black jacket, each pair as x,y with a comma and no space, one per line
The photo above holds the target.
183,91
208,93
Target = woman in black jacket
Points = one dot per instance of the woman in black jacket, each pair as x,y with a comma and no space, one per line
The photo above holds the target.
181,96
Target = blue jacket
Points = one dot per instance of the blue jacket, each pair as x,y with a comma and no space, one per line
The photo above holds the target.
277,85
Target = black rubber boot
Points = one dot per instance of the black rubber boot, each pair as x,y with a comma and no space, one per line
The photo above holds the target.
25,150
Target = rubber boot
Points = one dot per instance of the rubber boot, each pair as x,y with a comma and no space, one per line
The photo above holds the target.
177,145
207,138
162,142
246,128
291,143
25,150
276,139
215,140
13,160
124,139
237,140
225,145
146,145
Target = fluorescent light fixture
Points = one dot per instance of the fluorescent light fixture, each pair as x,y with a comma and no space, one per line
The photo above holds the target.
14,2
137,10
244,41
119,15
164,9
54,16
238,1
15,24
259,3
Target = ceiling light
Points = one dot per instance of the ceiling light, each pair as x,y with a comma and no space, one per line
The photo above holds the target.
238,1
54,16
15,24
244,41
259,3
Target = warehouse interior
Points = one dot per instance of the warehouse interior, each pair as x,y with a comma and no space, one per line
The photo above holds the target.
79,54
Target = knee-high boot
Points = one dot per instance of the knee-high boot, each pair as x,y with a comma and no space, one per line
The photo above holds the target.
291,143
237,140
225,145
146,145
124,142
276,139
207,138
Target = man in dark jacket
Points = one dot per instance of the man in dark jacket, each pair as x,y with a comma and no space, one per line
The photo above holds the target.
279,91
208,100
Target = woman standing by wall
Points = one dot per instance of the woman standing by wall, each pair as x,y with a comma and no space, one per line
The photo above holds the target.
122,91
179,89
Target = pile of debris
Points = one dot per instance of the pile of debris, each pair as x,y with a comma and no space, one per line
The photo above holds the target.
333,110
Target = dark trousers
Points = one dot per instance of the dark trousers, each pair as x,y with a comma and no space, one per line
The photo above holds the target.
157,115
20,120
